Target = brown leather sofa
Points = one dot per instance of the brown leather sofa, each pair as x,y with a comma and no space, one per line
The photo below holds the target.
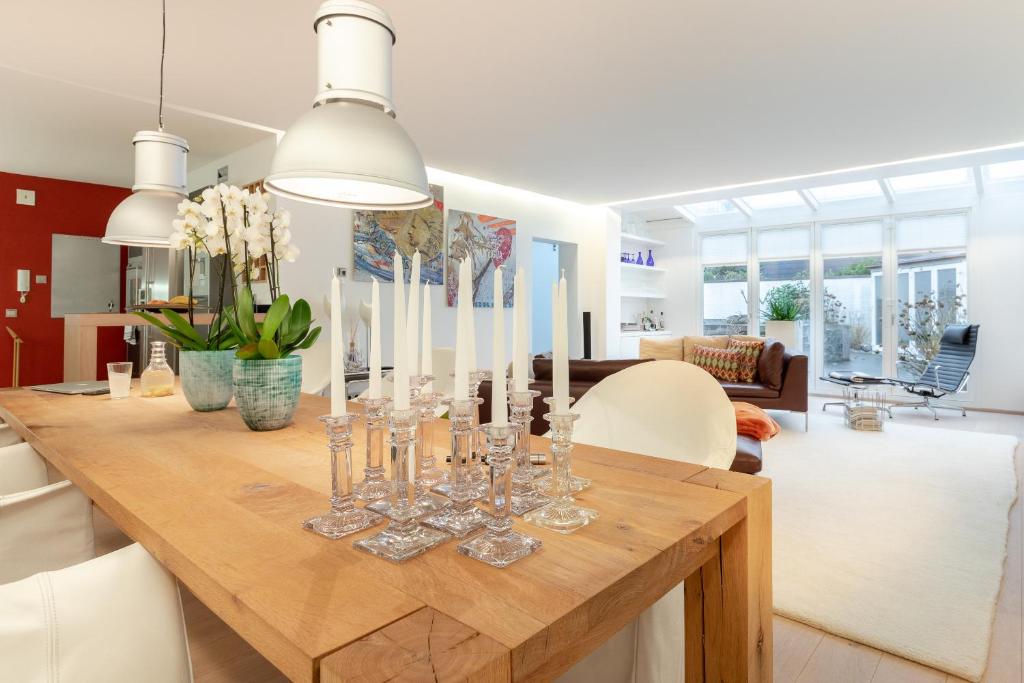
583,374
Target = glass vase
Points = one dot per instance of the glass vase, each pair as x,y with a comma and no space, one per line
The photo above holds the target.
158,377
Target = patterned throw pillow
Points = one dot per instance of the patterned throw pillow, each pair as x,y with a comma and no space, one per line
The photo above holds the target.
723,364
750,352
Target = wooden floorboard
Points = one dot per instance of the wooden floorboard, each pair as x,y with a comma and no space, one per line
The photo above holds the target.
829,663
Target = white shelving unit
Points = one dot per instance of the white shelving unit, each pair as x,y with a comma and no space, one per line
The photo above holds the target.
637,266
640,239
641,294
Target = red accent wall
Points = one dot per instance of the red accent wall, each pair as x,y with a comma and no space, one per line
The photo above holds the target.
62,207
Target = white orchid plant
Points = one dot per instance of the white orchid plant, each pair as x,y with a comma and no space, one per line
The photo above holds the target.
241,226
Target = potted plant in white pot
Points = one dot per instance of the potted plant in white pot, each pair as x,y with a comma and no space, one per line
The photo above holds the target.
784,309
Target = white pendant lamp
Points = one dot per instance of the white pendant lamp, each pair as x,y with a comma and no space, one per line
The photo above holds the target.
143,219
349,150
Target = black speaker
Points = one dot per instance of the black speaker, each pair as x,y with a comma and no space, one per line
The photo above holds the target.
586,334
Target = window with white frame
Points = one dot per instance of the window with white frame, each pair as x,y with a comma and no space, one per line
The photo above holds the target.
724,289
931,286
784,281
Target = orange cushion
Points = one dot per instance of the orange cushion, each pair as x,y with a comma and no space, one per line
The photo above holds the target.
752,421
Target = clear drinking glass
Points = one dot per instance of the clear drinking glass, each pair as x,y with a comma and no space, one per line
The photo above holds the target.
158,377
119,377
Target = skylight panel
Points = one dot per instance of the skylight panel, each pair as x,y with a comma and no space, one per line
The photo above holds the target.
863,189
774,200
717,207
935,180
1007,170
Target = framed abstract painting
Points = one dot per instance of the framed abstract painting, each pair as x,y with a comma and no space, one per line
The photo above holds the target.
490,242
376,235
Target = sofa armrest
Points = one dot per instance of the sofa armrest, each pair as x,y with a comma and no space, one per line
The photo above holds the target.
793,395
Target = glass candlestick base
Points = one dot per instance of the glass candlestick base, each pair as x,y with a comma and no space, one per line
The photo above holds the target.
525,496
544,483
461,517
343,518
426,503
374,485
562,514
429,475
404,537
500,545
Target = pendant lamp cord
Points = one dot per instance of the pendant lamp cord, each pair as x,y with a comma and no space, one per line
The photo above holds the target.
163,49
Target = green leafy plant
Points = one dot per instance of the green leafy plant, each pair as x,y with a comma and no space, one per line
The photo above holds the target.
789,301
923,322
284,329
185,336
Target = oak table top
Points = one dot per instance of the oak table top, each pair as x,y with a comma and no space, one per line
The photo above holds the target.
221,507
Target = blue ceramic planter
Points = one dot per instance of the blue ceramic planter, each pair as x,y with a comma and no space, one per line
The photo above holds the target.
206,378
267,391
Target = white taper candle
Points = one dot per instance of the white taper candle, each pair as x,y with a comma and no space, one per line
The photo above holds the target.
499,386
463,332
412,314
427,362
374,388
338,393
520,341
561,350
400,351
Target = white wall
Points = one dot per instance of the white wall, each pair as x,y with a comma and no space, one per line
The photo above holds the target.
245,166
324,234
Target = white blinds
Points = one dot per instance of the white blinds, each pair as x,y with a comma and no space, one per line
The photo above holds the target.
784,243
864,237
730,248
922,233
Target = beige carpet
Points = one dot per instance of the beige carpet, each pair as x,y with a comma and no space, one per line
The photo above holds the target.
893,539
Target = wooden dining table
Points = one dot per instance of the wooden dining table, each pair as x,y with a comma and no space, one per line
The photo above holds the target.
221,507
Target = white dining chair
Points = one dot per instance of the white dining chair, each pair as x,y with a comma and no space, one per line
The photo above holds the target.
8,436
672,410
44,529
21,469
115,618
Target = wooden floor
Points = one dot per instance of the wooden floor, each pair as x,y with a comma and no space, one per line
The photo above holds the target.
802,654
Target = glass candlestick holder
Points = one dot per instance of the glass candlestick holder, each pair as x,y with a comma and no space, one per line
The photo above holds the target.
500,545
374,486
430,475
462,516
545,484
525,496
562,514
478,471
404,537
343,518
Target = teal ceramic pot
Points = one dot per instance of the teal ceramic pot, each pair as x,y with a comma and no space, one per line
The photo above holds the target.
206,378
267,391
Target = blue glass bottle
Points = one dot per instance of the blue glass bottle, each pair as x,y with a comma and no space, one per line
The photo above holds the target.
650,258
640,257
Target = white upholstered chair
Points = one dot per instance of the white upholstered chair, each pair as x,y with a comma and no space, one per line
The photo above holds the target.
672,410
21,469
42,526
115,618
7,435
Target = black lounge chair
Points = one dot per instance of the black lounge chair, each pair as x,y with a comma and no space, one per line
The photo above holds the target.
947,373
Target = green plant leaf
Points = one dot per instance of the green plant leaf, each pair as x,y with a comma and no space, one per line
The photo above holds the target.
236,331
246,316
176,337
268,349
272,320
310,339
248,352
182,326
298,323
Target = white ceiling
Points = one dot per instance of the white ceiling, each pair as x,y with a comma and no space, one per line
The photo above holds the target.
591,100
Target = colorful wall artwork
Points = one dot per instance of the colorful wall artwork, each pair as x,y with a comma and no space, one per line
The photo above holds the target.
377,234
490,242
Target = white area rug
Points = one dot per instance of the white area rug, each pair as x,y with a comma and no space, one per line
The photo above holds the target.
893,539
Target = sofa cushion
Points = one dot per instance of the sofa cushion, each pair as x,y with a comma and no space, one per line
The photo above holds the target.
691,343
722,364
771,364
754,422
748,455
661,349
745,390
750,353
